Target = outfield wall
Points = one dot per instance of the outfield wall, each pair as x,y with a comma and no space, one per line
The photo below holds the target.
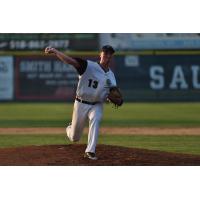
142,76
162,76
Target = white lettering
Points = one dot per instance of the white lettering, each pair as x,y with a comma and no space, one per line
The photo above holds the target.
178,79
195,70
35,66
156,74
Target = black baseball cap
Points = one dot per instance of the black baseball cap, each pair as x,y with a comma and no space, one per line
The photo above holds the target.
108,49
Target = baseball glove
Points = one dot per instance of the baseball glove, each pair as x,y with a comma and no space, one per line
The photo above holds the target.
115,96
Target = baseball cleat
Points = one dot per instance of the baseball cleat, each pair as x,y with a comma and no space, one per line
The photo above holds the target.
68,125
90,155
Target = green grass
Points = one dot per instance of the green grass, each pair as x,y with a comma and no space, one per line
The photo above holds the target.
179,144
131,114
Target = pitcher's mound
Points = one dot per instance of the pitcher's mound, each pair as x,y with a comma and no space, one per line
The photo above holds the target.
108,155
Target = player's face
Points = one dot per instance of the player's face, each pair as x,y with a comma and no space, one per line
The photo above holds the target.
105,57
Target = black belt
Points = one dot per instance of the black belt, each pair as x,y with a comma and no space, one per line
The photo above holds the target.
86,102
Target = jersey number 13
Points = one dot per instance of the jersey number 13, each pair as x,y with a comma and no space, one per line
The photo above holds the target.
93,83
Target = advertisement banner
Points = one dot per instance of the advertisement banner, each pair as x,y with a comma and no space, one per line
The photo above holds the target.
140,77
45,78
151,41
6,78
38,41
159,77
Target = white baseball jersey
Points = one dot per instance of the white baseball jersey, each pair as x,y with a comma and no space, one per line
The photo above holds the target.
94,83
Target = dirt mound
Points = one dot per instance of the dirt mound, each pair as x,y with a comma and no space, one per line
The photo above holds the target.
108,155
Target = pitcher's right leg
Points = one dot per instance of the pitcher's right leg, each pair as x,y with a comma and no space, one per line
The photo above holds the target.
79,117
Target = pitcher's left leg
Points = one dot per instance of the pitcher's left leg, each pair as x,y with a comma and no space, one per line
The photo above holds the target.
95,116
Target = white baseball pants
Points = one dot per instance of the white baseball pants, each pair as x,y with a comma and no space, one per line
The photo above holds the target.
81,113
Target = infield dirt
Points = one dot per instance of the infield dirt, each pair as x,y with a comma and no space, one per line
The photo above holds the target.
72,155
108,130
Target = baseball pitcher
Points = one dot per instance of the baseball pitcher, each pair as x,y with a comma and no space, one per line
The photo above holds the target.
96,84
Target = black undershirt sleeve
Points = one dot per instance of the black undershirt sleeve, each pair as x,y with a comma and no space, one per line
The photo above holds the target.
83,65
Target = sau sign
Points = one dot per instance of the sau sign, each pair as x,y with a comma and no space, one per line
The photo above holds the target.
178,78
160,77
